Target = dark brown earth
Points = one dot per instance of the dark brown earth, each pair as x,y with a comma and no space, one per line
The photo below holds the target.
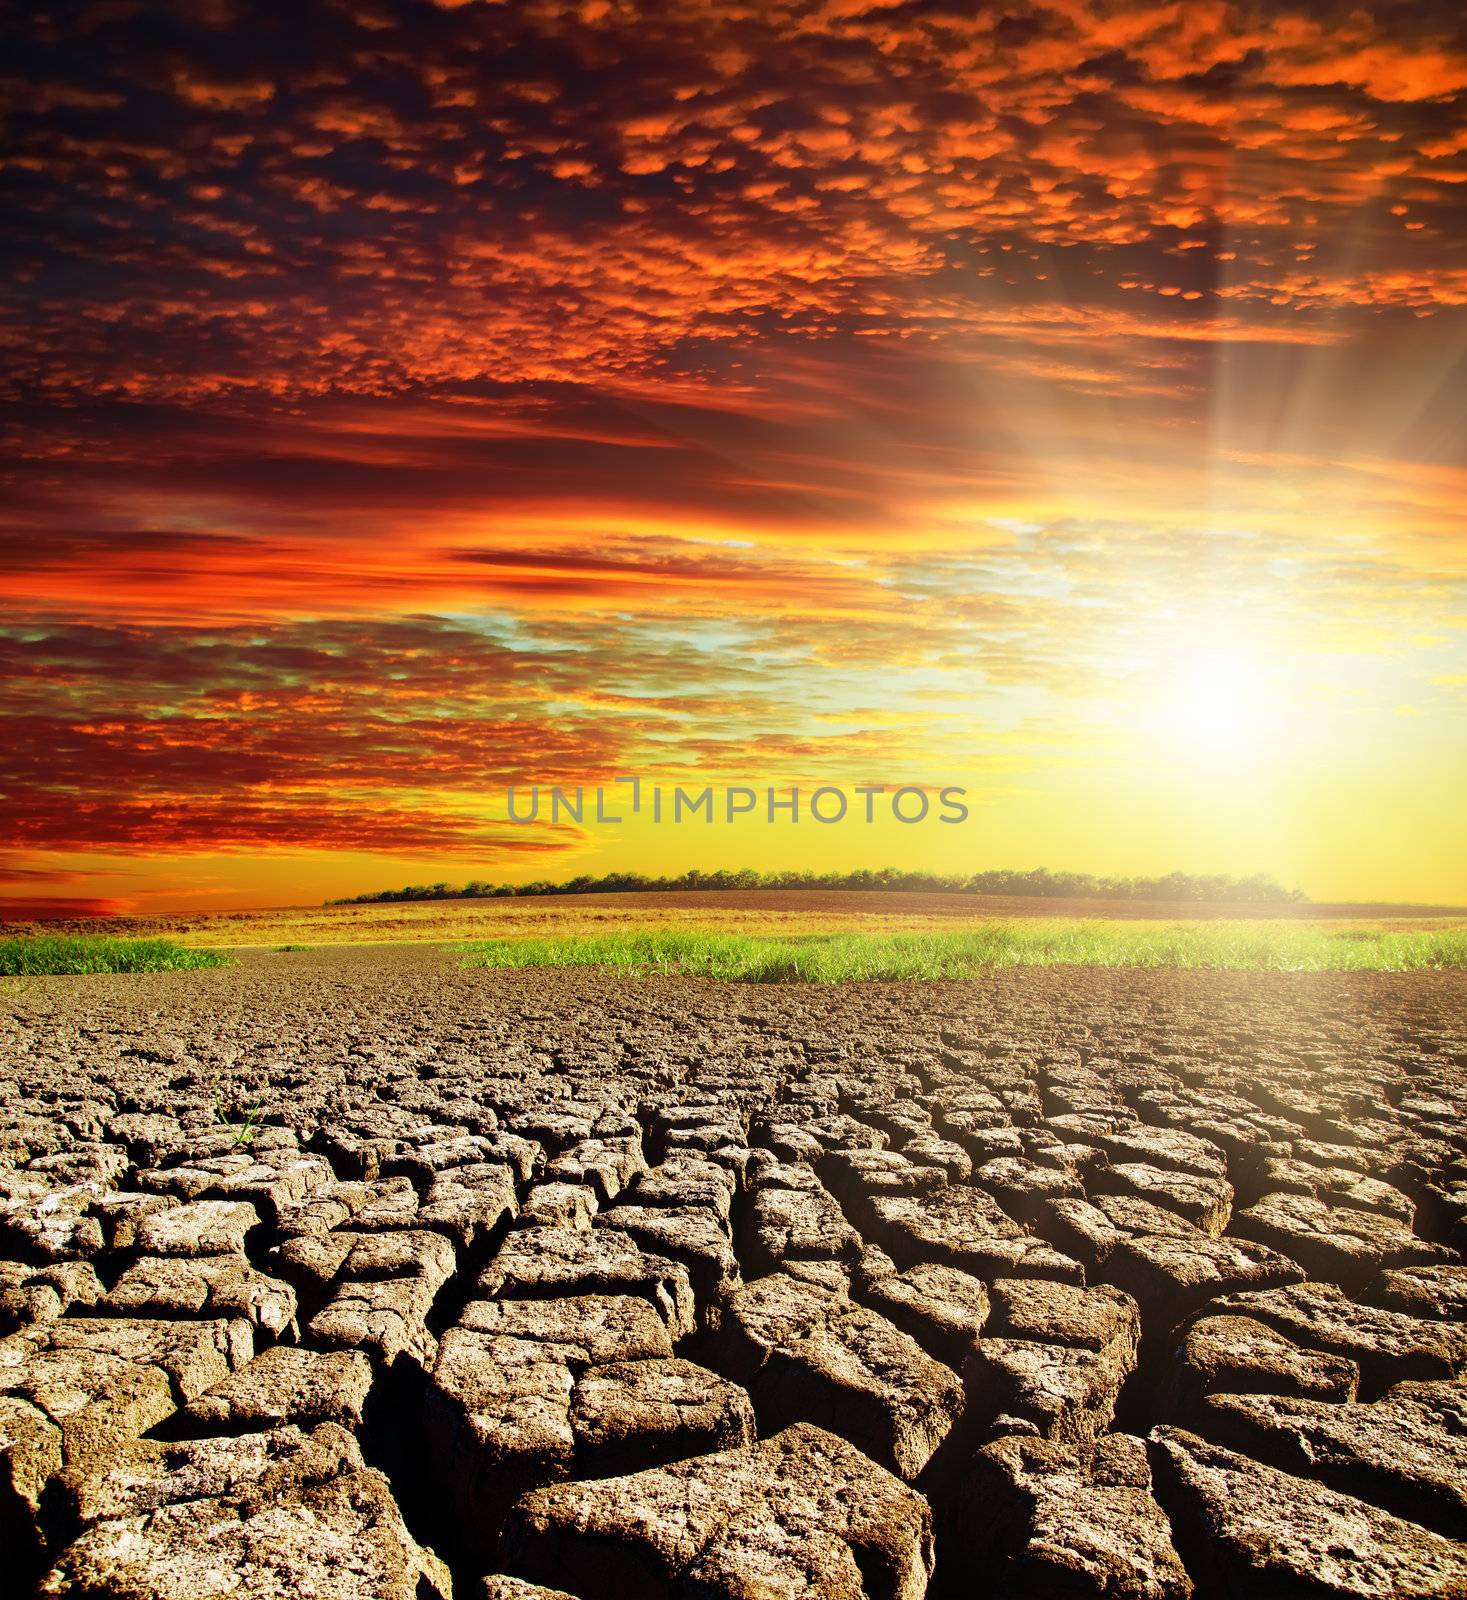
1134,1285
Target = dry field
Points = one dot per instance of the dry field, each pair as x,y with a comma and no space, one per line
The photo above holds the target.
355,1273
731,910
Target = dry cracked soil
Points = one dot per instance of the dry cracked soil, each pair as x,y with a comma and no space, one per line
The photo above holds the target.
1135,1285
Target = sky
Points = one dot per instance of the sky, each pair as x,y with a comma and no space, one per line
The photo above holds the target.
402,401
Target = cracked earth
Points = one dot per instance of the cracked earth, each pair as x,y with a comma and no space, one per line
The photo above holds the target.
1135,1285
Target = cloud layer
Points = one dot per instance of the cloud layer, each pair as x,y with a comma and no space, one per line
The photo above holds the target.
400,399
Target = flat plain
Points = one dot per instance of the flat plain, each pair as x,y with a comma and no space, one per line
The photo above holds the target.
756,911
354,1272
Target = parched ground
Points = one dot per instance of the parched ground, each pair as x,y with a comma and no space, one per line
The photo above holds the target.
1053,1284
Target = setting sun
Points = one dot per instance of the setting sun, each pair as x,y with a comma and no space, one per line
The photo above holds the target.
1215,703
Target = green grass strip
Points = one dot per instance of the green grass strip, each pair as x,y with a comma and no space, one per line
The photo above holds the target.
48,954
842,957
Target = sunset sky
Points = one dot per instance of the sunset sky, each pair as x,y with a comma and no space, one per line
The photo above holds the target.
406,400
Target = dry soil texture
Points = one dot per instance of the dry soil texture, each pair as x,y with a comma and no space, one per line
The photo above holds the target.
1065,1283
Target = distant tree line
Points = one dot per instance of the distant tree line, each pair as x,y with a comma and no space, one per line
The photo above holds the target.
1039,883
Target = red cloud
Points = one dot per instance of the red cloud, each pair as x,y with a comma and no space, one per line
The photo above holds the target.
681,359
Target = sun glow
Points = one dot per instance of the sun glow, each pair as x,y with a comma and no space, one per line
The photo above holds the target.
1217,696
1213,702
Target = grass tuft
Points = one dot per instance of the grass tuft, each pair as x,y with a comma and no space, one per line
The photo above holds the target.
843,957
47,954
244,1127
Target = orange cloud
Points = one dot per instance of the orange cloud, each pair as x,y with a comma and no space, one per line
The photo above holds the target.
411,398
